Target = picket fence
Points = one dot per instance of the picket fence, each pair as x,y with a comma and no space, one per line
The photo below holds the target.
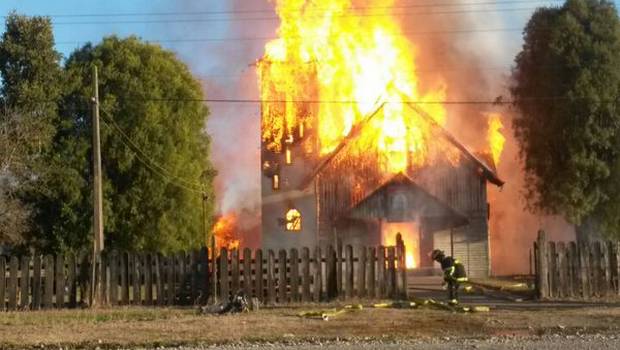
321,274
576,270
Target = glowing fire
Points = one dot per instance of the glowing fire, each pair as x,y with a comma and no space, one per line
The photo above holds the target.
495,137
226,232
331,52
411,238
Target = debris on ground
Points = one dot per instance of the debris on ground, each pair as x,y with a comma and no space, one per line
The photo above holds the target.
236,304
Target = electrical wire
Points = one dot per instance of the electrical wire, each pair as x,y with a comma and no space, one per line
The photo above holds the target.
271,11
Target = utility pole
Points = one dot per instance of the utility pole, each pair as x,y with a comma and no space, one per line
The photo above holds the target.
97,191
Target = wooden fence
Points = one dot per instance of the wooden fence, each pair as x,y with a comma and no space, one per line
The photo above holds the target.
319,274
576,269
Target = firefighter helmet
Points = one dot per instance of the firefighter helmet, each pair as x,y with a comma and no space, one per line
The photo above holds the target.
436,254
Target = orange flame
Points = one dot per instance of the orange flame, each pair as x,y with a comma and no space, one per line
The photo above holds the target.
330,52
495,137
411,239
226,232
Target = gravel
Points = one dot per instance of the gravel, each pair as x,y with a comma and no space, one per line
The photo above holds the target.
547,342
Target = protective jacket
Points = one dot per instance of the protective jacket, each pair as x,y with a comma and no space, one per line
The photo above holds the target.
453,270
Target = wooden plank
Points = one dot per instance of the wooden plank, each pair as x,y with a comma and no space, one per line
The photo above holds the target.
542,266
606,269
331,273
48,296
348,271
294,266
595,253
114,277
137,272
204,276
305,275
614,258
271,288
24,283
36,283
160,275
282,281
402,267
553,269
147,269
317,285
2,283
234,271
247,272
361,272
573,266
391,272
60,281
171,282
584,273
381,286
182,279
194,276
12,285
371,278
223,270
562,270
339,262
259,291
124,269
71,285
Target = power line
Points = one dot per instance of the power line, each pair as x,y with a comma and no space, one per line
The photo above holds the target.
275,18
271,11
150,163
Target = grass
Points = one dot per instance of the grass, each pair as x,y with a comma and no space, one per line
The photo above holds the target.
137,326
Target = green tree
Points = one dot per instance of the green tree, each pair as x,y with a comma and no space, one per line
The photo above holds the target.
30,90
155,151
566,85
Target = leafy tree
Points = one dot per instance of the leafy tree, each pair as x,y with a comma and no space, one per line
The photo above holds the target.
566,90
30,89
155,152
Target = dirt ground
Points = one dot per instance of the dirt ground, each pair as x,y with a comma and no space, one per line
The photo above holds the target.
151,327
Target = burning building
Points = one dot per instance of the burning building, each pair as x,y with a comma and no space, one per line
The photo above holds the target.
352,150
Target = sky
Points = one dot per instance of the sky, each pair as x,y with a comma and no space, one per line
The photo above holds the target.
221,46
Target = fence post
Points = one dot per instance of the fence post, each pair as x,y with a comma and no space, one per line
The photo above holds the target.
372,260
361,272
381,272
305,275
614,253
318,276
234,271
71,281
294,275
24,283
13,272
282,282
124,278
348,275
391,290
271,290
605,269
542,266
247,272
258,279
553,269
339,261
36,283
223,270
204,280
331,273
573,265
402,266
584,268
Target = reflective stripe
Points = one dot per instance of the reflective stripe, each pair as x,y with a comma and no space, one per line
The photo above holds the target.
462,279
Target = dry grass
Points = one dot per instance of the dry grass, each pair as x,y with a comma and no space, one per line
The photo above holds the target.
150,326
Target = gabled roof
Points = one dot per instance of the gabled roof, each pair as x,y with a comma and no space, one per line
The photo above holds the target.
400,199
487,171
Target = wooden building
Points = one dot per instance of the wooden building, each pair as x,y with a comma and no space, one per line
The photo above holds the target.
310,200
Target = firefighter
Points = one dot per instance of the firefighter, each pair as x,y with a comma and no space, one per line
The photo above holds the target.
453,274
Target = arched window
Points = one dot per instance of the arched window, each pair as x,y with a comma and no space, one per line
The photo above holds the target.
293,220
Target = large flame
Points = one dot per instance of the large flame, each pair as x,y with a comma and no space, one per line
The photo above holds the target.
341,61
495,137
226,232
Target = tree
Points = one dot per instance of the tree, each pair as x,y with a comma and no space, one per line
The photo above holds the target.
566,86
155,152
30,89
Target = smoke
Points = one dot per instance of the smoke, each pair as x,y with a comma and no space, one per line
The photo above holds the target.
470,51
